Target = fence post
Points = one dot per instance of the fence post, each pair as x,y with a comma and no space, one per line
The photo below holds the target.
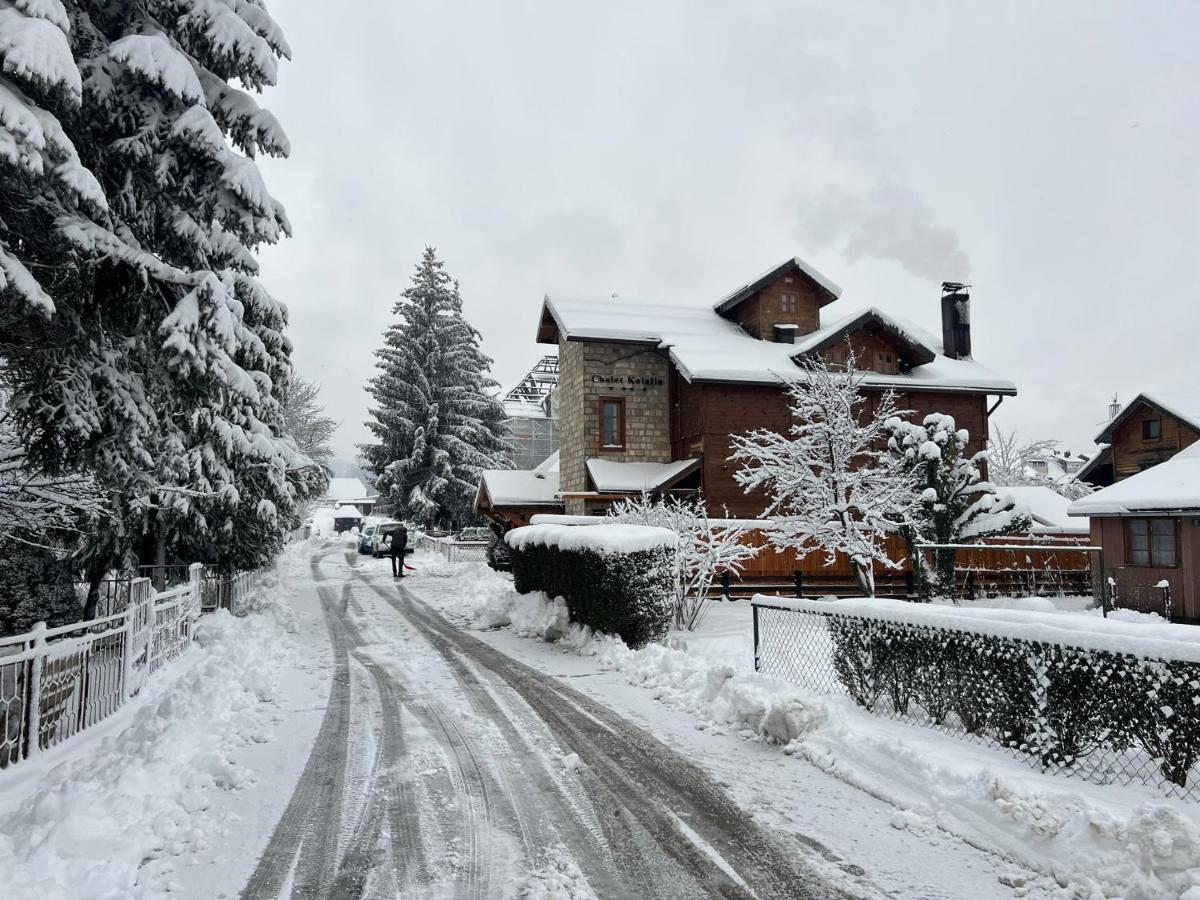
1166,592
798,580
909,584
755,609
130,628
196,585
33,701
725,586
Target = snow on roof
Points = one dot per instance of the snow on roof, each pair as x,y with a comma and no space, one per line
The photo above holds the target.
549,464
1184,406
346,511
617,477
706,347
1047,507
521,487
346,489
1171,486
734,297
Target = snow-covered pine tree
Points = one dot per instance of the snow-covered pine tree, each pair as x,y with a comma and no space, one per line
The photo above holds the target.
833,485
436,419
957,504
156,364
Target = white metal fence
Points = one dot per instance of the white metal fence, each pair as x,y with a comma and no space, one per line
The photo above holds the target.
452,550
55,682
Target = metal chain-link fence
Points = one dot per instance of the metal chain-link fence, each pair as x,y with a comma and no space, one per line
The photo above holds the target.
1107,717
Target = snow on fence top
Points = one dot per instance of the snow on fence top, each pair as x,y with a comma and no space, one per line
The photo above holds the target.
1166,641
559,519
602,539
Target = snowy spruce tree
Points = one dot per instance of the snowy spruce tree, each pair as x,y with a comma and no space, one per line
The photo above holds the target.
957,504
833,485
436,419
137,342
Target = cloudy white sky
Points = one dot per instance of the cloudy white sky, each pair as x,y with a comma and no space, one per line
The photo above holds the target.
671,150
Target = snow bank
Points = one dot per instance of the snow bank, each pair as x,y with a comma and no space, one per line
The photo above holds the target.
116,817
602,539
1095,841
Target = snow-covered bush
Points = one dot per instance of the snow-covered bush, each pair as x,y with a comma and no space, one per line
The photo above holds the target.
957,505
1056,703
833,485
706,547
616,579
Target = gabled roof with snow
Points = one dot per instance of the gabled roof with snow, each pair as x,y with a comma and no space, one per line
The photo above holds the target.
706,347
1171,486
346,489
610,476
1183,406
830,290
520,487
1047,507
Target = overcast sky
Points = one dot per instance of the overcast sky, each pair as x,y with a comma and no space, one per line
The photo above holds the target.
669,151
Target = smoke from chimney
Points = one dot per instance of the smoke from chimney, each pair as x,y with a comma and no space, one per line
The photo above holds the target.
885,222
956,320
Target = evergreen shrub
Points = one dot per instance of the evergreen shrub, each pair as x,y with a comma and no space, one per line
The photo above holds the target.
1057,703
628,592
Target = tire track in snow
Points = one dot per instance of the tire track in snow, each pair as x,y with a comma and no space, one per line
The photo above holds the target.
318,790
647,786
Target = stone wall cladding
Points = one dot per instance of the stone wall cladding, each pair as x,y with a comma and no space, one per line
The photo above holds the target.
641,377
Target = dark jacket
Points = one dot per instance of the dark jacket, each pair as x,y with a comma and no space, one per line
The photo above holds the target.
399,541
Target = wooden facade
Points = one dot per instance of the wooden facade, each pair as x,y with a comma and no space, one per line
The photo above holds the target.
1145,436
706,416
1137,587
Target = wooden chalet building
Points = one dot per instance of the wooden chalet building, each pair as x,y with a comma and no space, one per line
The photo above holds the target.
1148,430
650,394
1146,517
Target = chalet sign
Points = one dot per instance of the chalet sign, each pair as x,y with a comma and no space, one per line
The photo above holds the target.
641,381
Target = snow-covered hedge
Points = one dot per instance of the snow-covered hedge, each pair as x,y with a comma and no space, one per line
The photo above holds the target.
1028,681
616,579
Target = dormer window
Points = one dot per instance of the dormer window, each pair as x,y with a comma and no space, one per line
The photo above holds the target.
886,363
789,302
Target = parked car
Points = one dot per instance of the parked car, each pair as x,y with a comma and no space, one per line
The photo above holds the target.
383,539
476,533
366,539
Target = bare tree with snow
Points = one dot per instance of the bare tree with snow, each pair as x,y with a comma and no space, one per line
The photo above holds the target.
706,548
303,419
1012,459
834,486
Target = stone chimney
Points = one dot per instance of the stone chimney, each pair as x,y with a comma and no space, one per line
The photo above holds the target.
956,320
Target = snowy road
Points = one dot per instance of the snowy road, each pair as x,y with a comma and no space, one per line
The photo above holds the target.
445,768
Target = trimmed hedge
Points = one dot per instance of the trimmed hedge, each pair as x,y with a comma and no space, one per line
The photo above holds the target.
1058,704
626,592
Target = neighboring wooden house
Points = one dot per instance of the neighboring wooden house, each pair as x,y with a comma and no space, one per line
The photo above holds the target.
1149,430
650,394
1149,527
